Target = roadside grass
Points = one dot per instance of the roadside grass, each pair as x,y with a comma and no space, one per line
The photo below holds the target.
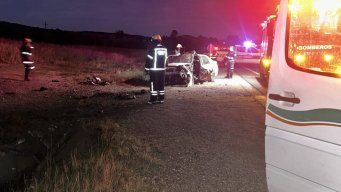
77,60
117,163
14,124
9,51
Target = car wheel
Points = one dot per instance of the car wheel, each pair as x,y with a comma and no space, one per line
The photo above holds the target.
186,77
264,79
189,79
262,75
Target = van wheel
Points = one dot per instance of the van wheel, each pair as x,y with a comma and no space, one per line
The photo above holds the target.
264,79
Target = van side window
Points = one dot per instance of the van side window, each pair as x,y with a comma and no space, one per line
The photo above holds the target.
314,37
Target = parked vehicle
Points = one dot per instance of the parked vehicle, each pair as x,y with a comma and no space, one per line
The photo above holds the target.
226,57
212,51
247,54
268,27
303,115
190,68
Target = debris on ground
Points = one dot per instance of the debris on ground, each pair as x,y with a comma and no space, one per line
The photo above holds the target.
41,89
120,96
21,141
138,81
126,96
94,81
143,91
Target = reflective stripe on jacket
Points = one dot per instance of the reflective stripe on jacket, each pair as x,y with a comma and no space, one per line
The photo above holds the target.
26,54
156,58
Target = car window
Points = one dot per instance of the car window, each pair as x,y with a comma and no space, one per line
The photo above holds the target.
184,58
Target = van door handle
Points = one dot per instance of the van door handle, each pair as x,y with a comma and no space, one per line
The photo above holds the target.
277,97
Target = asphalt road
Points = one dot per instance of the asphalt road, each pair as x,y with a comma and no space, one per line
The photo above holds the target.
209,137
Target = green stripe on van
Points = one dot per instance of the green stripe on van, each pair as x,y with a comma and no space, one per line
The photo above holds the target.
316,115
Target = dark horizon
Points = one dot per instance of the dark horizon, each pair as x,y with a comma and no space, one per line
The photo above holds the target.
216,18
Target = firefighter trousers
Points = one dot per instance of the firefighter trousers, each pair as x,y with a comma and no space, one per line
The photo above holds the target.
28,69
157,85
27,72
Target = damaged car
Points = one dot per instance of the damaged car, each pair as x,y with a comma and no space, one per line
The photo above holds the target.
190,68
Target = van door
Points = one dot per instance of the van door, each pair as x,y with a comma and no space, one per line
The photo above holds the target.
303,116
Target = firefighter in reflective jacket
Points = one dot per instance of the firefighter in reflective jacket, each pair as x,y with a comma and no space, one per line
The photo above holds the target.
178,49
156,66
26,56
230,61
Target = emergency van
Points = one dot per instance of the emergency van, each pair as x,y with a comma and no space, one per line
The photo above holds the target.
303,115
247,54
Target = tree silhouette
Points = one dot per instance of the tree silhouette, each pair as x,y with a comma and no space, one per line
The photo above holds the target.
173,40
174,34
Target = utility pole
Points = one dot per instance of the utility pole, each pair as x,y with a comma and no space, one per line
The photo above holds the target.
45,25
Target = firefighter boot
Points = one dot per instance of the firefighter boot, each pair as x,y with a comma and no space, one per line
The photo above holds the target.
161,97
153,97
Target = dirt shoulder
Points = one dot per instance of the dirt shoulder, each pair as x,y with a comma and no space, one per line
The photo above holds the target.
204,138
44,120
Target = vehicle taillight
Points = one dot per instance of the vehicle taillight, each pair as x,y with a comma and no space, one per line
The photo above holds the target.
266,62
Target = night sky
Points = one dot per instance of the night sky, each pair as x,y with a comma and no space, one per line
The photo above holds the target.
214,18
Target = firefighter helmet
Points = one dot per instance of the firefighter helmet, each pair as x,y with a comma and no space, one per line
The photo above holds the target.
27,40
179,46
231,48
157,37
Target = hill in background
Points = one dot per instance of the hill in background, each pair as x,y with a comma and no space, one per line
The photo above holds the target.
118,39
56,36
